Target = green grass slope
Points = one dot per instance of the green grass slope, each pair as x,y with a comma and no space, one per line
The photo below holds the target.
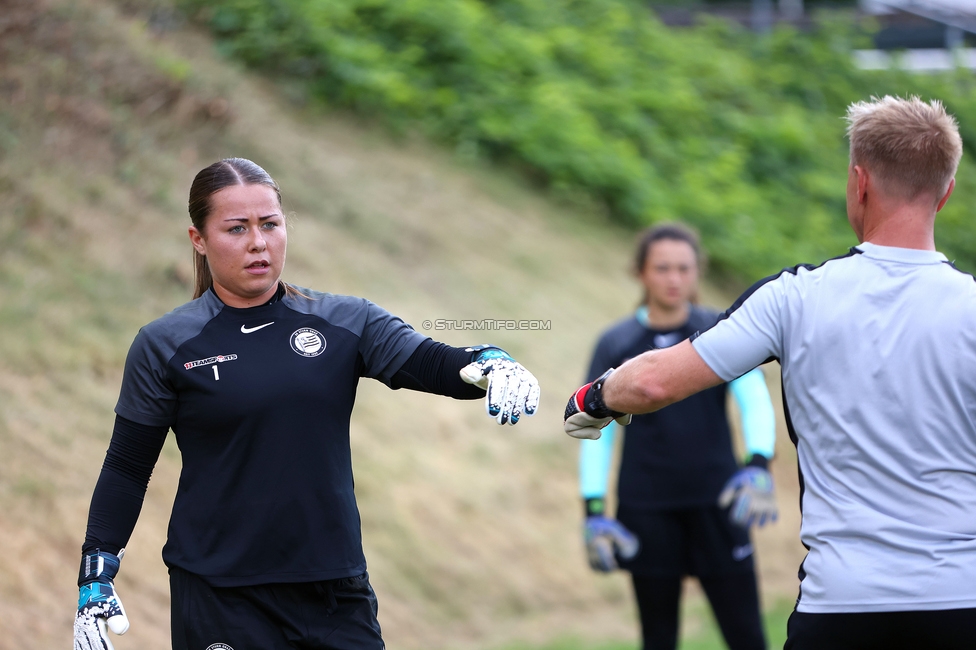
471,531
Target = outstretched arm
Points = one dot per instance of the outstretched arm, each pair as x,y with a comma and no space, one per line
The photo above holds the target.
434,368
469,373
653,380
749,334
646,383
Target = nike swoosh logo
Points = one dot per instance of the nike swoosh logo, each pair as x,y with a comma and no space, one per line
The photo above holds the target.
740,553
247,330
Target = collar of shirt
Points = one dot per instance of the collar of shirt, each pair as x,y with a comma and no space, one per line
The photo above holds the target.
903,255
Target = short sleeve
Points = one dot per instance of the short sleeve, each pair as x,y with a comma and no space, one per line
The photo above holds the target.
749,334
386,343
147,395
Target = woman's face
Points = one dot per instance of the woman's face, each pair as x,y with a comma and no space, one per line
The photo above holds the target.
244,240
670,273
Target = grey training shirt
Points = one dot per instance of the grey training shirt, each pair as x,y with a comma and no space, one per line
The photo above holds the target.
878,354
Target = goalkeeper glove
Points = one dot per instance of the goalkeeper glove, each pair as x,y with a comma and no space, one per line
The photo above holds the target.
606,539
98,605
750,494
511,389
586,413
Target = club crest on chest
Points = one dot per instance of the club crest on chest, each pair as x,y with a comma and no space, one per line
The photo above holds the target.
307,342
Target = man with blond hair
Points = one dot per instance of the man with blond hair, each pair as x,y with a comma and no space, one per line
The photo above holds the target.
878,354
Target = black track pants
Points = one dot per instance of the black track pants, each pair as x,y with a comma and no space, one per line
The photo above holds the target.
734,599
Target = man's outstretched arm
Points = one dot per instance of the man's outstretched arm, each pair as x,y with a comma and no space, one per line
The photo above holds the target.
657,378
749,335
643,384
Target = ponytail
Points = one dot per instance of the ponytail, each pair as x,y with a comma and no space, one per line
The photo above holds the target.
201,275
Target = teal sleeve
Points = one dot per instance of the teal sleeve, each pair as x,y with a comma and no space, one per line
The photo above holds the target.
594,463
758,420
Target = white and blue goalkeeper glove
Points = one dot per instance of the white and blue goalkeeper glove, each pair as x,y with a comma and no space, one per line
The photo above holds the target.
750,494
98,605
511,389
606,539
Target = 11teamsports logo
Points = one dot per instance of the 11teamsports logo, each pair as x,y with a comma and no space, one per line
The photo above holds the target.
307,342
220,358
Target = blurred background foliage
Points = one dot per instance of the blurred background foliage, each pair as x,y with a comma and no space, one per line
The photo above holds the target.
738,134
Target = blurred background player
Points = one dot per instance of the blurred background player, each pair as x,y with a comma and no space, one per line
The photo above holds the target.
257,379
673,516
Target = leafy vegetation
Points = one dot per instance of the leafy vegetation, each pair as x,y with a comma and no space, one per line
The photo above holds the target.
739,135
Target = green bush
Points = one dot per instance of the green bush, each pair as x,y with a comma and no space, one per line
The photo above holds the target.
737,134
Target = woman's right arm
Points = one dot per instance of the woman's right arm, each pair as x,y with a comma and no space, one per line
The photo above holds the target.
146,409
121,486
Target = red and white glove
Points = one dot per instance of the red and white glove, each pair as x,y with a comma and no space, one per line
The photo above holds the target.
586,413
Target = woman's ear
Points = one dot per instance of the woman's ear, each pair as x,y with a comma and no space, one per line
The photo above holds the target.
196,238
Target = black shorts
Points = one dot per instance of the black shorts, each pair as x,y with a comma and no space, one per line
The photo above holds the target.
947,629
327,615
698,542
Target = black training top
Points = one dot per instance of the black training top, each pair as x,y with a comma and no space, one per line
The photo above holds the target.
260,401
682,454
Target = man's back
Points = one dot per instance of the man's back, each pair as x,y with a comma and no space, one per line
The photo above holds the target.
878,350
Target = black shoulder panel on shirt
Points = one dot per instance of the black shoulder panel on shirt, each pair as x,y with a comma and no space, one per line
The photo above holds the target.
147,397
385,341
953,266
168,332
347,312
